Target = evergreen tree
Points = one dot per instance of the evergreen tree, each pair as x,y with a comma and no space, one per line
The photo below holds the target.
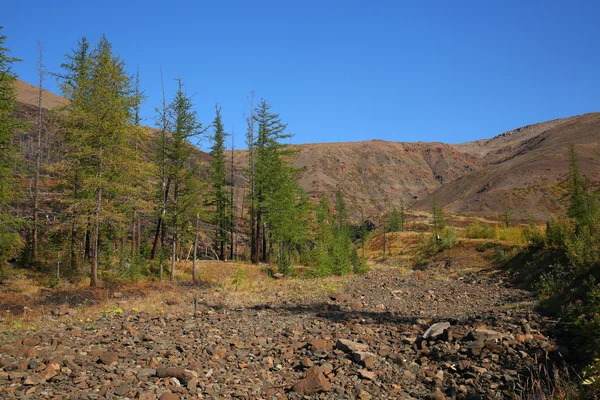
183,125
394,221
268,171
9,224
218,178
97,134
439,220
402,216
582,204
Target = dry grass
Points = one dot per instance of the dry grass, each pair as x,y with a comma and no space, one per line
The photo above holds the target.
216,287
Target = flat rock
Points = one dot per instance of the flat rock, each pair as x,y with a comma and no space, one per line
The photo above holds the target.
348,346
436,330
314,382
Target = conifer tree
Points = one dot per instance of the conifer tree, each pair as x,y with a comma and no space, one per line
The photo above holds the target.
268,170
439,220
218,178
582,204
183,125
9,224
97,134
72,86
402,216
394,220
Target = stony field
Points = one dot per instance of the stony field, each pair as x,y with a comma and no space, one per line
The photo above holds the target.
385,335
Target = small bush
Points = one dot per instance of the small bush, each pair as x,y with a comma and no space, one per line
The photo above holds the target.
238,278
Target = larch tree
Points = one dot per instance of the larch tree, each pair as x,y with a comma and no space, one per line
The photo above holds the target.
183,125
9,223
72,86
38,159
97,130
218,178
267,170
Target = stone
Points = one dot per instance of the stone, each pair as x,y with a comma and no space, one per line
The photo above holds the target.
356,306
48,373
306,362
168,396
341,297
475,348
314,382
146,373
364,395
180,374
364,358
109,357
366,374
436,330
436,395
348,346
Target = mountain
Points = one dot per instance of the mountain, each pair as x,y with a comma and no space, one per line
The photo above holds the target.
523,170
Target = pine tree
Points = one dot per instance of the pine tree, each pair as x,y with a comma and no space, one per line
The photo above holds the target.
218,178
9,224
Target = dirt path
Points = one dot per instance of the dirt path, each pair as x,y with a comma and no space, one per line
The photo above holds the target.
371,340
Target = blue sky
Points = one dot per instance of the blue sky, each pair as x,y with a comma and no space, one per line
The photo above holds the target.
341,70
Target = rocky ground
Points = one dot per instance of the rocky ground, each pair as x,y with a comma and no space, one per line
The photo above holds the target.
384,336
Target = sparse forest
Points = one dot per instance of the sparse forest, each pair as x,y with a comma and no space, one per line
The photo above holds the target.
123,201
235,273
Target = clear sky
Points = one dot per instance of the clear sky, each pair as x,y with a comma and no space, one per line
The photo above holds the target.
341,70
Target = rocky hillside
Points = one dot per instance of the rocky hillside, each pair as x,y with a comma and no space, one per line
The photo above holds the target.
376,175
523,170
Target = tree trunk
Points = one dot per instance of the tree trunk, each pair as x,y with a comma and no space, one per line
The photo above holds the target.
95,240
173,258
133,239
139,236
38,160
73,247
195,249
88,241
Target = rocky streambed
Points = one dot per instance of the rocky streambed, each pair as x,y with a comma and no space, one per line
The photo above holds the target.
385,336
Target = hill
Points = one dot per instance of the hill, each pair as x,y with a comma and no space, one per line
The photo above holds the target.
523,170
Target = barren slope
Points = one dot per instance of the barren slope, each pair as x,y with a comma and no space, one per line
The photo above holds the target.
376,175
524,169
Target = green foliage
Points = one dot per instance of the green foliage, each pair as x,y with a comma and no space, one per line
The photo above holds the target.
438,217
572,289
238,278
477,230
334,253
219,198
395,222
52,283
430,245
10,224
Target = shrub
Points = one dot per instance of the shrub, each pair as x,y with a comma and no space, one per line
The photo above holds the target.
238,278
